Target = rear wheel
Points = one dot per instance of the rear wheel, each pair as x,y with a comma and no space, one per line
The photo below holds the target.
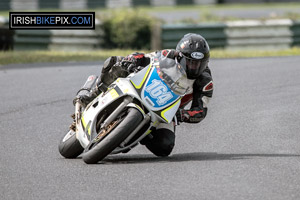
69,146
107,140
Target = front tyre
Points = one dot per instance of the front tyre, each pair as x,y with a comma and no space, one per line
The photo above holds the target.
104,144
69,146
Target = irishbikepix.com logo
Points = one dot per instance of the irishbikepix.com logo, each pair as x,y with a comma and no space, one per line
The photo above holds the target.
52,20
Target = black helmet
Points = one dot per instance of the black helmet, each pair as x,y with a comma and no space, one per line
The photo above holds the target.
196,51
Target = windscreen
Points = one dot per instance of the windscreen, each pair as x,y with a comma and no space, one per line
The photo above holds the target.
173,74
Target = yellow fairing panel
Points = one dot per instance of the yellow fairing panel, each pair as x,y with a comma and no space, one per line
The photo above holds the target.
169,112
139,79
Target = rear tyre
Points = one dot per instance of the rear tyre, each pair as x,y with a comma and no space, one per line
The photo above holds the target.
101,146
69,146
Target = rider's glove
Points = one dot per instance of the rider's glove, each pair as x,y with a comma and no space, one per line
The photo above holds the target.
190,116
132,61
180,115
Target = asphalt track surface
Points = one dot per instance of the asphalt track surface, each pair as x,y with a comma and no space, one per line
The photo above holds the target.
247,147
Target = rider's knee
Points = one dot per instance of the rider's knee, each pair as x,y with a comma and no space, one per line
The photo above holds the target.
162,142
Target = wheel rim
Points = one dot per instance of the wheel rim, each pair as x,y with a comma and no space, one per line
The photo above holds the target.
104,132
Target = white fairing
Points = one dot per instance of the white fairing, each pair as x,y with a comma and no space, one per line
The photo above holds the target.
147,87
89,116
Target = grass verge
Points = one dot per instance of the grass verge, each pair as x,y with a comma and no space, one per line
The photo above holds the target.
16,57
21,57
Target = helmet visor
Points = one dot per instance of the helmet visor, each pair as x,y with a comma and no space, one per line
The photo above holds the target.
193,64
193,67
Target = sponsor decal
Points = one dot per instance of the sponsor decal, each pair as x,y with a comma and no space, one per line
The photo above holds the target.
164,52
192,113
91,78
197,55
52,20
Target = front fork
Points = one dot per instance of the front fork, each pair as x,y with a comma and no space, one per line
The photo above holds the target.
109,119
116,112
77,116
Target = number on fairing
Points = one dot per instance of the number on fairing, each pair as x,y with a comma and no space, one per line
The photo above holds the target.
159,91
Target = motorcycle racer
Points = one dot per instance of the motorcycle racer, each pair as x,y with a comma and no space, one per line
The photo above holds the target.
195,49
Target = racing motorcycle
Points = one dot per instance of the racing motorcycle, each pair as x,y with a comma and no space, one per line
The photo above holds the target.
120,117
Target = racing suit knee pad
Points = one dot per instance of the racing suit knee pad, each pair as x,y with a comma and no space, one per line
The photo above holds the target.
162,142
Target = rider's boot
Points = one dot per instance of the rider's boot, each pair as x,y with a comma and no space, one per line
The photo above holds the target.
90,90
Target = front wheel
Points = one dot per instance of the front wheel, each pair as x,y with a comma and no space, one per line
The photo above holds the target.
69,146
107,140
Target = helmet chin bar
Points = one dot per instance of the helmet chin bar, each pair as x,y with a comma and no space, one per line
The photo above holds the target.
192,74
193,64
